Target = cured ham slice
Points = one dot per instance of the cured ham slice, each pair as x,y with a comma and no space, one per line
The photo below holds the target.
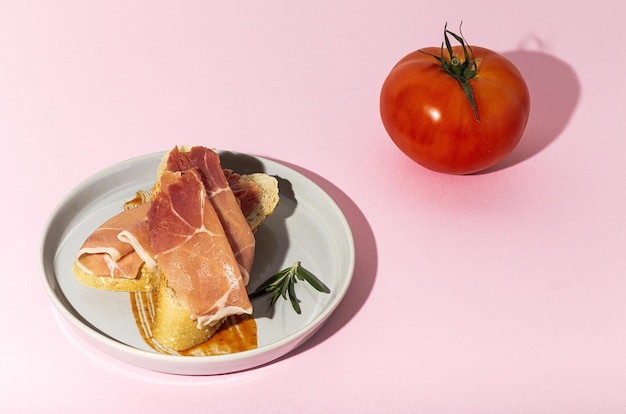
246,192
104,253
193,251
224,201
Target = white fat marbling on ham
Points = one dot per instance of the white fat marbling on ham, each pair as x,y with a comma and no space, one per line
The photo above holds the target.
138,237
193,251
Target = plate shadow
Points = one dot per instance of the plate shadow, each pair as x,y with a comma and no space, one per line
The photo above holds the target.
366,262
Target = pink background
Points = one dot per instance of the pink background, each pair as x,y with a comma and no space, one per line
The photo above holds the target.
501,292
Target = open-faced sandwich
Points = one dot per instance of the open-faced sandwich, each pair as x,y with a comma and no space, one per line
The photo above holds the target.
192,241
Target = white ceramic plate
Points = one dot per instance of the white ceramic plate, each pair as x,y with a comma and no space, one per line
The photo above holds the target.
306,226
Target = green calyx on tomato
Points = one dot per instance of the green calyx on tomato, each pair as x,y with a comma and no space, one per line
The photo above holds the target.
461,70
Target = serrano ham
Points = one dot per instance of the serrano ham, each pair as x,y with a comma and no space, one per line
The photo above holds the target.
105,253
121,245
228,208
193,251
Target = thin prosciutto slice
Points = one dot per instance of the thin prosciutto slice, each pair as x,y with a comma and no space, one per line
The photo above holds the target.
224,201
193,251
119,247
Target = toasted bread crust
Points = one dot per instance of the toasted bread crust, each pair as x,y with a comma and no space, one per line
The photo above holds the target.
173,326
145,282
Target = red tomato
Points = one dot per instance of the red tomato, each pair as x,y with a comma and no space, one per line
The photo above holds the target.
429,115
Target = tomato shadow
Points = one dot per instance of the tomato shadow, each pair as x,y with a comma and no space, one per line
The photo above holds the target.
554,93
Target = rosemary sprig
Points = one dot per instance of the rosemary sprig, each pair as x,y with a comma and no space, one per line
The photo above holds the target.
283,284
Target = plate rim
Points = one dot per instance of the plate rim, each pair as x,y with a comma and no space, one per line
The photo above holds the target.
177,364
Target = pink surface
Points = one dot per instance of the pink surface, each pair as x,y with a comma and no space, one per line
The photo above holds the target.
498,292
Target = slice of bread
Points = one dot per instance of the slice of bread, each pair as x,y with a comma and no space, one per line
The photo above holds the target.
268,187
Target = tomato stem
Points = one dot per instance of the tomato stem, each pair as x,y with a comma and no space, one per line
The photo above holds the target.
461,70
